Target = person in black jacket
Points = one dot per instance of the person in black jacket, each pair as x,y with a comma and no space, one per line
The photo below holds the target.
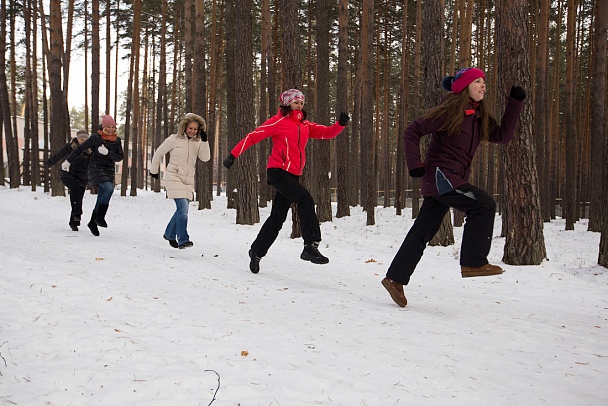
76,178
107,150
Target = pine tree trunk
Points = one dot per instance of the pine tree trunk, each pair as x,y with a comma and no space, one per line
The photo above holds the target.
322,148
57,99
368,182
247,202
12,150
342,149
525,243
432,48
570,192
599,138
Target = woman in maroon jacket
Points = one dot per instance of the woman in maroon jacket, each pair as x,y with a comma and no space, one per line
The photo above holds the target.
289,131
457,126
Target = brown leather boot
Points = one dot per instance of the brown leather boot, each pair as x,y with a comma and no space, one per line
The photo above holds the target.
396,291
486,270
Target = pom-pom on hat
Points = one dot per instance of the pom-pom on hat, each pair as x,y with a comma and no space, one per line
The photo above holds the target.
461,79
107,121
289,96
82,134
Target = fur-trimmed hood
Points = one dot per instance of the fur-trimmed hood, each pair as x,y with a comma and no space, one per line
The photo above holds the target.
188,118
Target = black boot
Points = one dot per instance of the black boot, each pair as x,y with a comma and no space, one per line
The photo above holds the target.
254,263
311,253
102,209
74,223
93,224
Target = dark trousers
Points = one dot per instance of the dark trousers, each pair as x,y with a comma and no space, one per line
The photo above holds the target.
288,191
479,208
76,192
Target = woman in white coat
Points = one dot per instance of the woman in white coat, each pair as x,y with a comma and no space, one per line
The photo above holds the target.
184,148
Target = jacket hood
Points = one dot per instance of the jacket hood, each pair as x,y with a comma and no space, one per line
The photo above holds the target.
188,118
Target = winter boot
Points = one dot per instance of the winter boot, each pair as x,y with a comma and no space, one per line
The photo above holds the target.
486,270
93,224
395,290
172,243
311,253
254,263
74,223
185,245
101,215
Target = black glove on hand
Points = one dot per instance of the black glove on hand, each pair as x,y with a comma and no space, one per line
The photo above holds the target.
417,172
344,119
47,163
229,161
517,93
154,175
203,135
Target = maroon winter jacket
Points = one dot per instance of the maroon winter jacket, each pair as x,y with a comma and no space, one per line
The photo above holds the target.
448,159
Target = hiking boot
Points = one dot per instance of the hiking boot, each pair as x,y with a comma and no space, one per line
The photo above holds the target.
486,270
311,253
172,243
396,291
254,264
185,245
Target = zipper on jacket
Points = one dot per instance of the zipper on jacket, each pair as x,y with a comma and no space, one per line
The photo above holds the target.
300,148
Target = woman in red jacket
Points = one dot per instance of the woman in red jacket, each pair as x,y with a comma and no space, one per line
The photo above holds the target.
457,126
289,131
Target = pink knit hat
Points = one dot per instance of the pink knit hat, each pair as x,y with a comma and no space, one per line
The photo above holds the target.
289,96
461,79
107,121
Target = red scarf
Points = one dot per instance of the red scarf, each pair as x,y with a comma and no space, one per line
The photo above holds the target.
107,137
475,108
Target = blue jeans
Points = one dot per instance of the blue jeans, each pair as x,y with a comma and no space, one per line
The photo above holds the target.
177,229
104,193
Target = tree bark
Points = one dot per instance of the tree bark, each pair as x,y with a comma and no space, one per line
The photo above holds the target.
570,192
95,68
522,198
12,150
599,138
58,135
542,110
343,150
322,148
432,49
368,188
204,171
247,207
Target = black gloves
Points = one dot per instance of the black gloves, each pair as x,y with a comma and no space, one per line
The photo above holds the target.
344,118
517,93
47,163
417,172
229,161
154,175
203,135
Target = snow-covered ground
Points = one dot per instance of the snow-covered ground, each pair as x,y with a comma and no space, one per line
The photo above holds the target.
124,319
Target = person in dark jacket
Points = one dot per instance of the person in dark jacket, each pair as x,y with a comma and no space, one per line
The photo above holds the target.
457,126
107,150
289,131
76,178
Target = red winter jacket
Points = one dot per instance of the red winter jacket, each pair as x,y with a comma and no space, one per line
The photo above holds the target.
289,137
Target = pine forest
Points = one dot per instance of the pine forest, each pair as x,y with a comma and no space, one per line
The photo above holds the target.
148,63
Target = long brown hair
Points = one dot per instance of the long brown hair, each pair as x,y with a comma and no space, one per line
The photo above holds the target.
452,111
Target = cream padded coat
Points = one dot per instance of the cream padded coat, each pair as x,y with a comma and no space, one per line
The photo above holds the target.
179,173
